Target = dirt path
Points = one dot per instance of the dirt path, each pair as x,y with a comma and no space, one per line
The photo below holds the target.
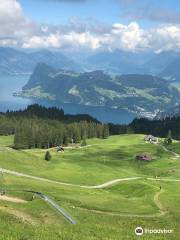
163,179
104,185
107,184
77,147
20,215
120,214
113,182
158,202
12,199
174,153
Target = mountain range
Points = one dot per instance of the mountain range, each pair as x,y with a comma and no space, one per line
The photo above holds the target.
137,82
165,64
142,94
172,71
17,62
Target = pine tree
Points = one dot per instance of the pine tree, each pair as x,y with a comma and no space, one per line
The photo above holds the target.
84,143
47,156
130,130
169,138
169,134
76,134
66,138
105,131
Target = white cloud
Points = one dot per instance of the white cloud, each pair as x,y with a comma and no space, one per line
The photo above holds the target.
42,42
58,40
133,38
15,26
130,37
164,38
19,30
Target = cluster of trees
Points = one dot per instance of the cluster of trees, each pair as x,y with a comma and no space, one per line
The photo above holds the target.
116,129
52,113
41,127
158,127
39,133
7,125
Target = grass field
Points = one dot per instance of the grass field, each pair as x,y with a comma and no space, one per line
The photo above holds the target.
107,213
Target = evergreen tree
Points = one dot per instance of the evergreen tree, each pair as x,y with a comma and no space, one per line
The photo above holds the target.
84,143
130,130
66,138
105,131
169,134
76,134
169,138
47,156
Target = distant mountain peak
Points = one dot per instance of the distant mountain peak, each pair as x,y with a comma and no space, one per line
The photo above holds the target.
14,61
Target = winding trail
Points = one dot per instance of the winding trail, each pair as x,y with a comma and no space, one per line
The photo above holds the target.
113,182
174,153
163,179
104,185
107,184
59,209
157,202
20,215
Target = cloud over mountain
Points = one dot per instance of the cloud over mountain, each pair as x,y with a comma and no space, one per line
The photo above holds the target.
18,30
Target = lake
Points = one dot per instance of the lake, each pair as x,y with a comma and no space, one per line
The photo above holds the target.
103,114
8,85
11,84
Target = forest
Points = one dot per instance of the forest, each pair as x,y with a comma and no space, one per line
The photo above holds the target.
41,127
159,127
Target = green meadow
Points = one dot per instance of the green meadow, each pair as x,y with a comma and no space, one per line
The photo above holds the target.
110,212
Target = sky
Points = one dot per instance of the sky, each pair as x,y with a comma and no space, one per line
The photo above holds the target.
91,25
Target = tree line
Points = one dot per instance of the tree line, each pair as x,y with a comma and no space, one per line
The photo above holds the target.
41,127
159,128
52,113
38,133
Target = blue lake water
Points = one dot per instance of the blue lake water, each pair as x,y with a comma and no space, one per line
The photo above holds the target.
11,84
103,114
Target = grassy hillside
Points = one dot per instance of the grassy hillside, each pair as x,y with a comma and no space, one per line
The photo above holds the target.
100,161
106,213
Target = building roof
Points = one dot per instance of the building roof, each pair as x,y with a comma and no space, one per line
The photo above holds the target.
150,137
144,157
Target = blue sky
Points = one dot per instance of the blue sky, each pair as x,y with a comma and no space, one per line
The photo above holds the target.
55,12
110,11
91,25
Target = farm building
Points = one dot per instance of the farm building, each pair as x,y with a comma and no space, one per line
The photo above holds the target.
144,157
60,149
151,139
